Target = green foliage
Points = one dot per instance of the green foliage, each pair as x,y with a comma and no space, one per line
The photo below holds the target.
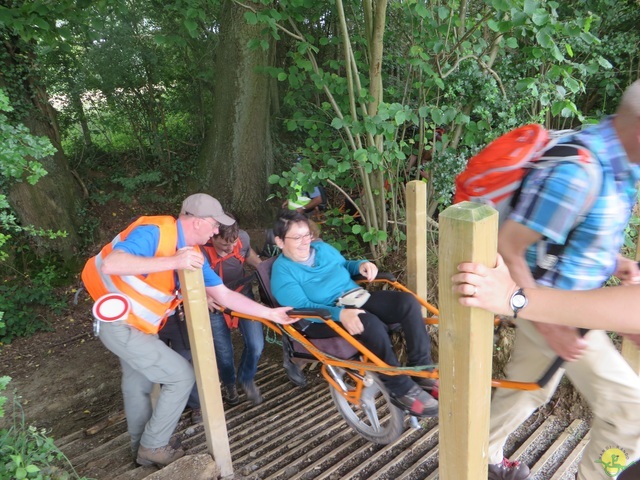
454,78
19,155
27,452
25,300
19,150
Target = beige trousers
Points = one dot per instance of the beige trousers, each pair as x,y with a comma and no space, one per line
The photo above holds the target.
602,376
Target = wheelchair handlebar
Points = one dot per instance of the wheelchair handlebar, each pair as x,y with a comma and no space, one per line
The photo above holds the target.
381,276
310,312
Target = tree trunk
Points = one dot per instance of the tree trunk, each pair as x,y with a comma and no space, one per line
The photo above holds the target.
50,204
237,157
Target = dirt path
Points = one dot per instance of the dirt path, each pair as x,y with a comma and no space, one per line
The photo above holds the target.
66,379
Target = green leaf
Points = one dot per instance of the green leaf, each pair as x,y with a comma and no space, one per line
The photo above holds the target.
604,62
569,50
437,116
512,42
41,23
400,117
530,6
502,5
191,26
493,25
544,39
540,18
443,12
282,76
572,84
337,123
557,107
421,10
251,18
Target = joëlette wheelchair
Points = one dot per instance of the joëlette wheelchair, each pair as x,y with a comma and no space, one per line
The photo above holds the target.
351,369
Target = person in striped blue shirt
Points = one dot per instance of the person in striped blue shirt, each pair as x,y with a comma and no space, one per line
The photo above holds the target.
545,244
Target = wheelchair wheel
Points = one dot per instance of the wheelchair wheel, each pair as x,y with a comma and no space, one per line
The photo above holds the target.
376,418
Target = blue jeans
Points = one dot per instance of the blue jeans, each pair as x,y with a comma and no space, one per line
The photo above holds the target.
175,334
253,345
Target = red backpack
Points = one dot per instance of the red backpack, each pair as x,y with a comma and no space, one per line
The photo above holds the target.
495,174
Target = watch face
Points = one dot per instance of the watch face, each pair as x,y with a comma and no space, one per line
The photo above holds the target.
518,300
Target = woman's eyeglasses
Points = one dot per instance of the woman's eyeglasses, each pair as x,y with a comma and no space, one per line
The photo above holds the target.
301,238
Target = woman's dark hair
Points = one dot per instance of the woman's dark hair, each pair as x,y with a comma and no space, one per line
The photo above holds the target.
285,219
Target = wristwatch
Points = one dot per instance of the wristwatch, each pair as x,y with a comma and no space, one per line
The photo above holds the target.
518,302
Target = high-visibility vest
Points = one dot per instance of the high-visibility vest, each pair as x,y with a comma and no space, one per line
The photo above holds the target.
215,260
301,200
153,297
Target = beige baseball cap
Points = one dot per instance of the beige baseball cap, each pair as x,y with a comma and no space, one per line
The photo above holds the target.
203,205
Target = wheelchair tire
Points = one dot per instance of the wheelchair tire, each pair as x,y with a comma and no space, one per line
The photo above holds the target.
376,419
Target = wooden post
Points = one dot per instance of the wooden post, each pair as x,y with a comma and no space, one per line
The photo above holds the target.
417,238
468,232
206,368
630,352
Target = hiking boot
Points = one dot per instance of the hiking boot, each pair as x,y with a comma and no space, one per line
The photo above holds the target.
427,384
252,392
417,402
160,456
508,470
175,442
294,372
230,394
196,417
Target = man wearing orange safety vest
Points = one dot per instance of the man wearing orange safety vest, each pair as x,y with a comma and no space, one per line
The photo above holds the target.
141,263
228,252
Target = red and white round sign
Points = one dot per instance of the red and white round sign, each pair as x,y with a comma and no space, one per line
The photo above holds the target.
111,307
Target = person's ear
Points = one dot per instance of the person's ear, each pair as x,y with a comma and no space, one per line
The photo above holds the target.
279,242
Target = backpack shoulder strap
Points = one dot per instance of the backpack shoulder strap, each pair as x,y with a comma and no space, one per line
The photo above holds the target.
578,153
574,152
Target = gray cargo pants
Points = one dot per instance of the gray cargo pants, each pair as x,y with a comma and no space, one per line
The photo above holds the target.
146,360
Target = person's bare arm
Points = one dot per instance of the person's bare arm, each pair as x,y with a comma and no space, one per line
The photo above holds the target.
313,203
221,295
613,308
253,260
513,241
119,262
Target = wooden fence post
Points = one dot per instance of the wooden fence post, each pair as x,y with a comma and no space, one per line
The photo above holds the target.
206,368
417,237
468,232
630,352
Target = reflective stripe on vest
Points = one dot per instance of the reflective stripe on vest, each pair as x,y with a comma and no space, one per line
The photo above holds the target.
153,296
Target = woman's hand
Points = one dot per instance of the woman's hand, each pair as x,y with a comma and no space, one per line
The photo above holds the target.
483,287
351,321
368,270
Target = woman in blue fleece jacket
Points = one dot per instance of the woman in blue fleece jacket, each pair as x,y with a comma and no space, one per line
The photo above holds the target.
313,274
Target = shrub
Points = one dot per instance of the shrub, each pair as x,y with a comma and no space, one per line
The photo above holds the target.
27,452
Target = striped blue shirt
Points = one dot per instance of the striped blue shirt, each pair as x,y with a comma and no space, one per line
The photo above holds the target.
551,201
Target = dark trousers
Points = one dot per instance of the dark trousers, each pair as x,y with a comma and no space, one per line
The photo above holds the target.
385,308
